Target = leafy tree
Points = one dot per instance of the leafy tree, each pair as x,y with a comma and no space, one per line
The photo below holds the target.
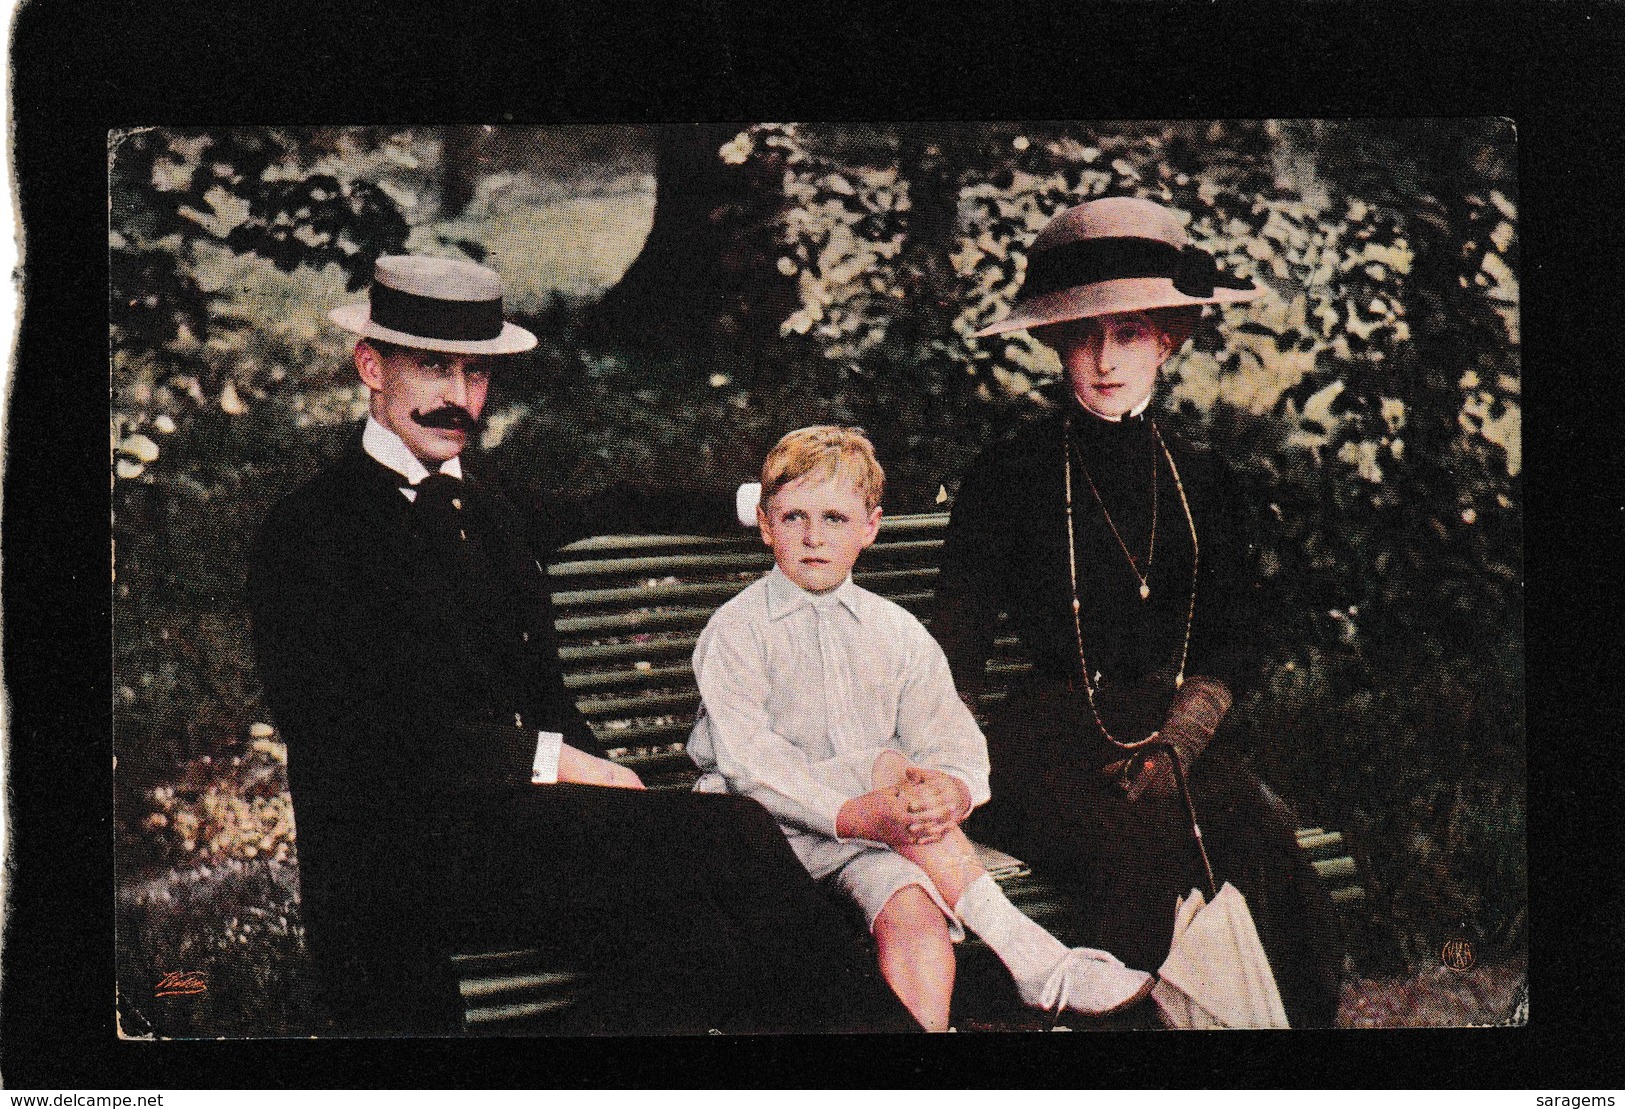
705,280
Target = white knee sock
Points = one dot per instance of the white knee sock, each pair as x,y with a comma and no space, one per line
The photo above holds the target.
1027,950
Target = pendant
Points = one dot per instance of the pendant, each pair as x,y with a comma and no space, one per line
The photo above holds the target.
1145,591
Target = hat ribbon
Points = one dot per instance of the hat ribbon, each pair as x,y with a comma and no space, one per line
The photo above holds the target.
434,318
1193,270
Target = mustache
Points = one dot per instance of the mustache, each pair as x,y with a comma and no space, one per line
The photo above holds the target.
450,417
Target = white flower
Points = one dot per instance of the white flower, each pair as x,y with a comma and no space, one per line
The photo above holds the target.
140,448
737,149
1363,457
1393,413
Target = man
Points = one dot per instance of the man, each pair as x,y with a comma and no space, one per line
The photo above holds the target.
448,793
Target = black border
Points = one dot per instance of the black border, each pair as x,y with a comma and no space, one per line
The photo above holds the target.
1552,69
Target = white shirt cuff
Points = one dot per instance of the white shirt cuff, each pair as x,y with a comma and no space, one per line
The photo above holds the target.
544,771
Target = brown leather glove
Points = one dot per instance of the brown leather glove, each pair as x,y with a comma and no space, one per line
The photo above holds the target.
1199,707
1197,710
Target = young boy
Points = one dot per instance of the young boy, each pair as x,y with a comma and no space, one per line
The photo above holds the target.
834,708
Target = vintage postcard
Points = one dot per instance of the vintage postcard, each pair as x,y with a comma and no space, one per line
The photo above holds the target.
1202,433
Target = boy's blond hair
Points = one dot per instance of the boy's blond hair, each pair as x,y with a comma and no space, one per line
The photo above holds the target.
828,451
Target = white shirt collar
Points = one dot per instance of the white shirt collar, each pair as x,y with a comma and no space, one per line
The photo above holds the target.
785,596
1135,411
387,449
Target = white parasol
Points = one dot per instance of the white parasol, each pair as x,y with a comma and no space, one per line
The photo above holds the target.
1216,974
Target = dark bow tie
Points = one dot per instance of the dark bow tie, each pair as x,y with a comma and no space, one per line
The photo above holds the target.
436,480
439,506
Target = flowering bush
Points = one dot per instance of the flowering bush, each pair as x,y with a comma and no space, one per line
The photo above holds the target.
240,811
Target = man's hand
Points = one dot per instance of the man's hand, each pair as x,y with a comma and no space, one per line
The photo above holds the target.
580,768
935,802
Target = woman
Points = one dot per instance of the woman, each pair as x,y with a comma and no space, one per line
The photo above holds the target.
1119,555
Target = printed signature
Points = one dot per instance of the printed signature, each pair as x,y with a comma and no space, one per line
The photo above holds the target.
178,983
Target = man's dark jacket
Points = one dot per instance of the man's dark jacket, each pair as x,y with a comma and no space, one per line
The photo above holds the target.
410,673
376,642
410,667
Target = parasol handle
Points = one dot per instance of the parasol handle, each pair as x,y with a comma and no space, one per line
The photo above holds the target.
1190,809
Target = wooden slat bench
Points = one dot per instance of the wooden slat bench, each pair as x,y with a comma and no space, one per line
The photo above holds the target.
628,611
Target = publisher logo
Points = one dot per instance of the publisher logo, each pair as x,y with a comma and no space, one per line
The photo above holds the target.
1458,953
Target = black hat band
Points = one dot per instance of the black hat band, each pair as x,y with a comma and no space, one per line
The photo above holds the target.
434,318
1090,261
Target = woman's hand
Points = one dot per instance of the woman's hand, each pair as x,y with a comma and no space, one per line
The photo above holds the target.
580,768
1197,710
1155,779
1151,775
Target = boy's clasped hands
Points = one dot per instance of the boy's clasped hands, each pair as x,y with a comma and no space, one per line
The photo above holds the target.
923,808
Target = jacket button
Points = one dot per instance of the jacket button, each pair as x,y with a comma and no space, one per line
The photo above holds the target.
457,503
518,721
524,637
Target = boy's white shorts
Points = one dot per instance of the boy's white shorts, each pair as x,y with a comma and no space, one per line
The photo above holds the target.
867,872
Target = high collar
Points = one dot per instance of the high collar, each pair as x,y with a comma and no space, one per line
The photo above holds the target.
785,596
1134,413
388,449
1089,427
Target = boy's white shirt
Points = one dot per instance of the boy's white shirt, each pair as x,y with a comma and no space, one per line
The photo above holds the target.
803,691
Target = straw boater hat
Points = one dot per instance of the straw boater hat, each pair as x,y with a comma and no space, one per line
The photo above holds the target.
1120,254
443,304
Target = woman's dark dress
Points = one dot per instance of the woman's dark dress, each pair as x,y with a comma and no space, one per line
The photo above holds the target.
1006,551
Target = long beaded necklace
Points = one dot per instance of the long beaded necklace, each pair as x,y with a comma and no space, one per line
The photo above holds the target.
1072,567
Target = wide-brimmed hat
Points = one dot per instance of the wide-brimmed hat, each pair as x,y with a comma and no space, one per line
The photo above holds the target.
444,304
1119,254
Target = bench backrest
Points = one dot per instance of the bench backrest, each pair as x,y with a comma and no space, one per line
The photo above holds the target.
630,608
